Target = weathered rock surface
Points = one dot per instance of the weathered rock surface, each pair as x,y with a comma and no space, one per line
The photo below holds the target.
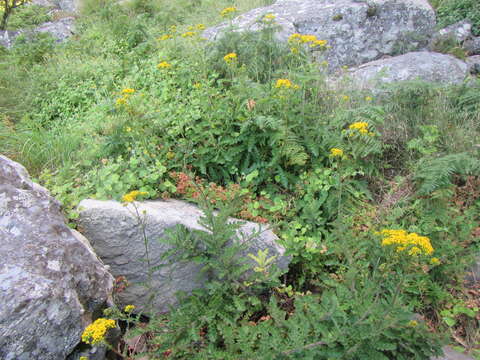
71,6
450,354
116,237
473,63
7,37
358,31
50,283
472,46
459,32
60,29
426,66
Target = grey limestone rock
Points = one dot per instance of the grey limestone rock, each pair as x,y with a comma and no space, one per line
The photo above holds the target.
424,65
117,238
50,282
61,29
357,31
450,354
473,63
459,32
472,46
7,37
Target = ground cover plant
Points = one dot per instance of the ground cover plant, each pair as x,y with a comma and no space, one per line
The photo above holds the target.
375,198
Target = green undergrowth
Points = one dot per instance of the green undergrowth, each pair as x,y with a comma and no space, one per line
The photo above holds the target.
138,100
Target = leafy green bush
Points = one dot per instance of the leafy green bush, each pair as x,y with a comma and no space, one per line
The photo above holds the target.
27,17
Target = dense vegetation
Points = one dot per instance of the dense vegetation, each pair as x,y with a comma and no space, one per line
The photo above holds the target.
375,197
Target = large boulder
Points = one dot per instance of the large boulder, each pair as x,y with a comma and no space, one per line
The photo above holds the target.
426,66
51,283
357,31
116,236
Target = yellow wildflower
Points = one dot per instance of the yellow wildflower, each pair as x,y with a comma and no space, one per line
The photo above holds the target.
228,11
121,101
402,240
83,358
189,34
368,98
129,308
269,18
164,37
283,83
200,27
294,50
132,196
128,91
335,152
95,332
435,261
294,38
345,97
128,129
412,323
230,57
360,126
164,65
320,43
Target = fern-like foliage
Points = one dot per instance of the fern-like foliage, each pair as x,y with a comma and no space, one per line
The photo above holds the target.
434,174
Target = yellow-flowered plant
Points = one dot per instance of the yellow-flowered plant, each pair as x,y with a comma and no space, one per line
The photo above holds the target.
336,152
269,18
360,126
229,58
132,196
129,308
165,37
200,27
189,34
228,11
164,65
96,331
413,243
285,84
128,91
435,261
311,40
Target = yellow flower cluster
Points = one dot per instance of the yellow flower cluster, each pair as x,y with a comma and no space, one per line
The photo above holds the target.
285,84
360,127
129,308
83,358
310,40
228,11
269,18
229,58
125,95
189,34
404,241
132,196
95,332
335,152
164,65
165,37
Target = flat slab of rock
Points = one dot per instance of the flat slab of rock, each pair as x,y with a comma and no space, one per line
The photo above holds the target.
114,233
357,31
50,282
450,354
426,66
